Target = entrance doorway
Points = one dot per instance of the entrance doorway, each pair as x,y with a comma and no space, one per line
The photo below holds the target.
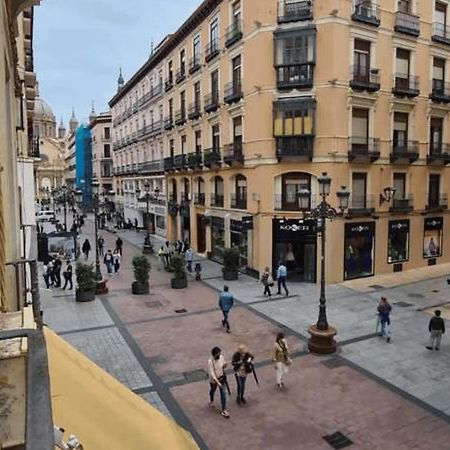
201,234
295,243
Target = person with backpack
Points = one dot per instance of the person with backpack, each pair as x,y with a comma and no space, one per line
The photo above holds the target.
281,358
109,261
242,365
226,302
267,281
384,309
436,328
218,379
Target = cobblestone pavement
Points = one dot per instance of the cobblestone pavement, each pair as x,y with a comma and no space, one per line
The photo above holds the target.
381,396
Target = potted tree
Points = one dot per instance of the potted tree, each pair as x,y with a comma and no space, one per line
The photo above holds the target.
85,291
180,279
230,264
141,269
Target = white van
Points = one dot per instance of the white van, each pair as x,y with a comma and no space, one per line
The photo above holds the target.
45,216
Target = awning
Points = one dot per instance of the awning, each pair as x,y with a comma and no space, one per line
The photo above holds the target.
102,413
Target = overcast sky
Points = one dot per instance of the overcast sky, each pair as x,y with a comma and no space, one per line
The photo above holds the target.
79,46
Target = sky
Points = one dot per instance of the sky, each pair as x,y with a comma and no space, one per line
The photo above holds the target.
79,46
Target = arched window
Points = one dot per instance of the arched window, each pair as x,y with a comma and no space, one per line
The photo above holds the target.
239,198
199,196
217,192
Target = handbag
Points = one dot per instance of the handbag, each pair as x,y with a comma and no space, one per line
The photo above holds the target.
270,280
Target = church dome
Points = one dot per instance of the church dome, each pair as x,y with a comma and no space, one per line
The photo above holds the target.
42,110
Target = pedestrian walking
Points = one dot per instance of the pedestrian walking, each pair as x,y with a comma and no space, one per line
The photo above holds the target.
136,224
81,220
117,258
189,258
267,281
109,261
242,365
86,248
185,246
119,244
281,358
378,325
436,328
57,264
281,278
101,245
48,269
218,379
167,254
384,309
67,274
226,302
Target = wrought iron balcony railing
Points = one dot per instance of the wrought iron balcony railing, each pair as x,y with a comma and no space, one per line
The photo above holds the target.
233,33
294,10
407,23
363,149
365,79
290,76
365,11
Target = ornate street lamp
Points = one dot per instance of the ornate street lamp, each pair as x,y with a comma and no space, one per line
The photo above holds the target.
322,335
101,284
148,247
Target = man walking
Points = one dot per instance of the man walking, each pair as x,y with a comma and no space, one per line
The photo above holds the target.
281,278
189,257
119,244
226,302
436,329
101,245
384,309
242,365
218,379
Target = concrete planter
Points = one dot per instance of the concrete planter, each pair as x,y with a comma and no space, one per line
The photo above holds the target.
140,288
81,296
178,283
229,276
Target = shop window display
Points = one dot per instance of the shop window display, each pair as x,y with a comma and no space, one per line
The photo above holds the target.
359,250
432,237
398,241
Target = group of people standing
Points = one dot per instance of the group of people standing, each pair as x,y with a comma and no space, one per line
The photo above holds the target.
179,247
52,273
112,259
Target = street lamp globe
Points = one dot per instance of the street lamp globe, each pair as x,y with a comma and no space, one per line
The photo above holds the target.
95,187
303,198
110,195
78,195
324,185
343,196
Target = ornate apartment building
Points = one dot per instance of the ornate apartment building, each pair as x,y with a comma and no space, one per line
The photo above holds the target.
249,101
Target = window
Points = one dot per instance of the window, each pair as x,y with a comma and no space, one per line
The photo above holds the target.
196,50
294,48
171,109
400,186
183,144
359,189
198,142
236,11
107,151
404,6
438,75
400,131
433,190
172,148
398,241
216,138
236,69
294,120
183,62
183,103
237,130
107,134
197,94
291,185
360,128
432,237
215,84
361,59
440,13
170,71
436,135
214,32
403,63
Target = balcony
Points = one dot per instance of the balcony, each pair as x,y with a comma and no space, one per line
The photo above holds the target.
180,117
199,198
363,149
232,154
194,111
365,79
407,23
195,64
211,102
232,92
361,205
168,123
405,152
406,85
290,202
180,75
294,11
440,91
168,84
212,50
295,76
179,162
211,158
233,33
402,203
439,154
440,33
238,202
168,164
194,160
366,12
299,148
151,167
216,200
437,202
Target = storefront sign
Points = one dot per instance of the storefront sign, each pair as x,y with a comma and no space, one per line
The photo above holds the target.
398,241
359,250
432,237
289,229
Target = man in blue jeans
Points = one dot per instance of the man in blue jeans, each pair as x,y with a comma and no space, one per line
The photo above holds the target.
281,278
226,302
218,379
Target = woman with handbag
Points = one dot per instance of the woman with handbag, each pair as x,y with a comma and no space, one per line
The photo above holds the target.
218,379
281,358
267,281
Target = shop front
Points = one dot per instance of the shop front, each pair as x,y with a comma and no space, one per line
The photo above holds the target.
217,238
398,243
239,240
295,244
359,250
432,238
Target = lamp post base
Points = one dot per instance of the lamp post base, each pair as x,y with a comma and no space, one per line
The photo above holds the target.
101,288
322,341
147,249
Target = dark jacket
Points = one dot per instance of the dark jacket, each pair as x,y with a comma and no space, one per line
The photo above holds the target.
384,311
86,247
240,360
119,243
436,324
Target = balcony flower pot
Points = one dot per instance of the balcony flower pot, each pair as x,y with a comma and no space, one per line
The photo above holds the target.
179,281
141,270
85,291
230,264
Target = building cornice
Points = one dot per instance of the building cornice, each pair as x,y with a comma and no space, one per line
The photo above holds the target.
196,18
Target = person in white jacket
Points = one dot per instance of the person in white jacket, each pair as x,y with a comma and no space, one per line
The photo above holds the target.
218,379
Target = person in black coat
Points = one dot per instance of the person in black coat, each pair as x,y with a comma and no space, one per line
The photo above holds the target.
436,328
57,264
86,248
242,365
68,276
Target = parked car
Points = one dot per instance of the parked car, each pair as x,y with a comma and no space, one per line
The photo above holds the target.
45,216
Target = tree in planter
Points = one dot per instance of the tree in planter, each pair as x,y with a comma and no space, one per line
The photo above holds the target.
141,269
178,268
86,282
230,264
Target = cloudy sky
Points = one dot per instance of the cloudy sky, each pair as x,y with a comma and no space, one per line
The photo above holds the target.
79,46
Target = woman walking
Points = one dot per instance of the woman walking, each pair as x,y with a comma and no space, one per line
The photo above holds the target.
267,281
86,248
109,261
117,258
281,358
